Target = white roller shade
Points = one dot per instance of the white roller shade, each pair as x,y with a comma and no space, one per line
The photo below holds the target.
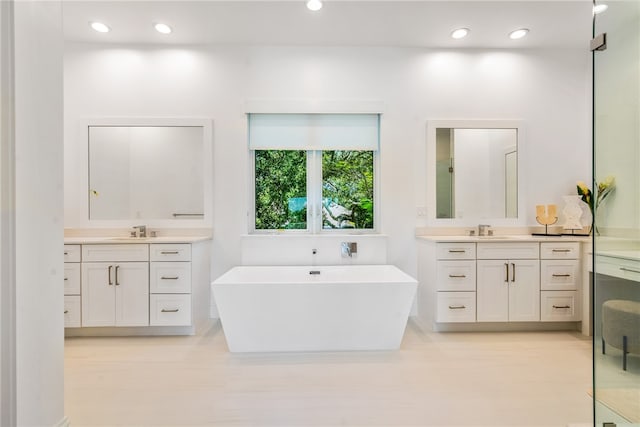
314,131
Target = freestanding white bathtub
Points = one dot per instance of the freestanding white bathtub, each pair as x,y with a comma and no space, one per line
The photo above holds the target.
328,308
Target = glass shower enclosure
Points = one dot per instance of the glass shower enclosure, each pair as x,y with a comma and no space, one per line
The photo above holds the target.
616,196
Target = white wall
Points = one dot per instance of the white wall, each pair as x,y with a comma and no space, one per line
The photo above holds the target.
548,89
38,213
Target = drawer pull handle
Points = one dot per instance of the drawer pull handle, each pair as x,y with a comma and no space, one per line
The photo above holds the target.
66,311
561,275
457,276
457,251
170,278
560,250
65,279
169,252
457,307
66,253
561,306
164,310
629,269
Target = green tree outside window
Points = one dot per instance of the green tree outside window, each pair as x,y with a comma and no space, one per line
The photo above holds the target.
281,189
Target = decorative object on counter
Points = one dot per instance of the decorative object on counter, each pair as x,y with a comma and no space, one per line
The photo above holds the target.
572,215
603,189
546,215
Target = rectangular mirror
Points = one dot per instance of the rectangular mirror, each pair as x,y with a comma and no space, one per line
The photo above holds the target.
147,172
475,169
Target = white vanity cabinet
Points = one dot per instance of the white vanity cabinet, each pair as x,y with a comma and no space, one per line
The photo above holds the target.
119,287
115,285
170,285
508,288
72,311
477,284
560,280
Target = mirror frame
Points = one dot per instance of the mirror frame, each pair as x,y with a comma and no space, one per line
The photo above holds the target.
432,125
207,158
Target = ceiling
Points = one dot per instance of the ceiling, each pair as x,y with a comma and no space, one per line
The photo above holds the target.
552,23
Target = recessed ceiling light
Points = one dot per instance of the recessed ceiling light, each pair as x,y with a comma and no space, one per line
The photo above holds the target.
599,8
100,27
460,33
162,28
314,5
518,34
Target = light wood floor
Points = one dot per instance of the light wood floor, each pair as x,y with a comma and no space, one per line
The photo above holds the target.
435,379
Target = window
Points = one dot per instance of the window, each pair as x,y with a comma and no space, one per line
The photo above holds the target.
347,189
313,172
281,189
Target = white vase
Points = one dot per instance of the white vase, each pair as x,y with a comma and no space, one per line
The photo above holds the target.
572,212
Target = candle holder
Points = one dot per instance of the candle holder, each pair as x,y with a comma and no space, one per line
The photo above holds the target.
546,216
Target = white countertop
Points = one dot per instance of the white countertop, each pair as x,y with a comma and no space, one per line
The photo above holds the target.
504,238
632,255
88,240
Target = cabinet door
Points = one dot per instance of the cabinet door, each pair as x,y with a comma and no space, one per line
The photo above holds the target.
524,290
492,291
98,294
132,293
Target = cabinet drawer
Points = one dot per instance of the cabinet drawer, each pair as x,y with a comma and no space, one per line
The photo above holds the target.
456,275
519,250
71,253
72,278
560,250
456,307
559,306
559,274
170,252
112,253
617,267
170,310
170,277
72,311
456,250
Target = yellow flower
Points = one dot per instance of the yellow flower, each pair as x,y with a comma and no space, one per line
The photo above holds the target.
583,187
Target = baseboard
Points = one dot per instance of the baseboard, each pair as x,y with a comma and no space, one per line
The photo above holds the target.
128,331
428,327
507,327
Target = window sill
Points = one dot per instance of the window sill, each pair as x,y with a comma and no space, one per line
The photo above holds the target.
306,235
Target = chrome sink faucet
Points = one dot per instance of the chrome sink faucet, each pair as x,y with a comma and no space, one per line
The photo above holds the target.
139,231
482,229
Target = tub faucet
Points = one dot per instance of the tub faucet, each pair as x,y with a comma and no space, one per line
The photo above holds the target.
482,229
140,230
348,249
